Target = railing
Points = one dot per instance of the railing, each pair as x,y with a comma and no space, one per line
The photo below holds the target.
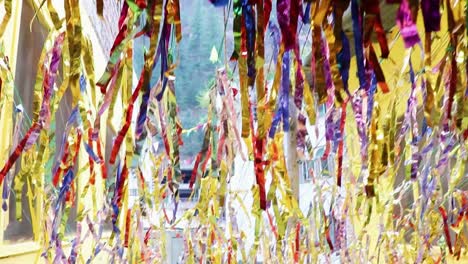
317,168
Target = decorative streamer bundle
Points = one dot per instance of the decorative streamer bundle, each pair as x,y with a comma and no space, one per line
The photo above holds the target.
380,122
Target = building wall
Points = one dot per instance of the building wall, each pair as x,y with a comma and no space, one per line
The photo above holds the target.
105,28
14,229
28,45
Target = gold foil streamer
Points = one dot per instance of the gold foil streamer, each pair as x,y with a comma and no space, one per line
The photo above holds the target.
37,181
309,102
100,7
335,43
319,84
88,63
173,17
38,86
72,14
124,80
6,105
6,18
319,12
244,93
54,16
283,207
260,81
375,152
173,127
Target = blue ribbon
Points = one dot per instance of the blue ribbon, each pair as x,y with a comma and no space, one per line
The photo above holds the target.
249,20
306,16
358,42
276,37
91,153
344,58
162,50
115,207
219,3
160,53
283,103
82,84
74,118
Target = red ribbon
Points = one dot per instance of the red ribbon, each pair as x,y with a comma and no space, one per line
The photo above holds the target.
92,177
273,228
127,227
259,170
128,118
62,161
374,22
141,4
101,157
14,156
297,251
341,143
379,75
453,87
446,228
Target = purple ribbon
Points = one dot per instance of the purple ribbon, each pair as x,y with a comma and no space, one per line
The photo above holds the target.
408,29
50,75
370,99
283,11
431,14
361,126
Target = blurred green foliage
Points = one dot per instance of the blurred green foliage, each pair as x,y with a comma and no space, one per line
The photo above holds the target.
202,28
